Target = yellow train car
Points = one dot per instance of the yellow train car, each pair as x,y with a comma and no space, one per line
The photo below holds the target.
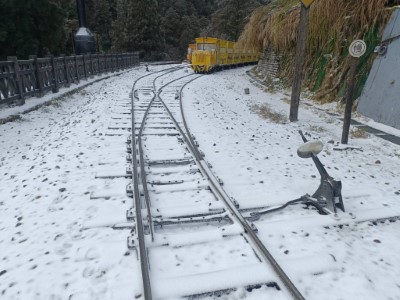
212,54
191,48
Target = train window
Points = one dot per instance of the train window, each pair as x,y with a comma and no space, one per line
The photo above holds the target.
223,50
206,46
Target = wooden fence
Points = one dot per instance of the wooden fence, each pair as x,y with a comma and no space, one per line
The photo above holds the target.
20,79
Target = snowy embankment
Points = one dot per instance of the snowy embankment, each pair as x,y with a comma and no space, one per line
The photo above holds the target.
257,161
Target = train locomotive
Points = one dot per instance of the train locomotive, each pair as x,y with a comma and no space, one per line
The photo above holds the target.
212,54
191,48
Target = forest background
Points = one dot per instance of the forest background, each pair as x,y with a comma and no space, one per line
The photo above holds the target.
158,29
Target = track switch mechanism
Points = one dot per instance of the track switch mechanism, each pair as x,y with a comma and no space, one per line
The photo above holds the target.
329,192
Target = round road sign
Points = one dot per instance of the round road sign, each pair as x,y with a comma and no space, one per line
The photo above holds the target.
357,48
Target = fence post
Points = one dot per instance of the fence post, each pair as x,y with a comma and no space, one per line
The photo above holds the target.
55,88
105,63
103,69
97,64
91,65
21,100
84,66
66,70
39,81
105,57
76,68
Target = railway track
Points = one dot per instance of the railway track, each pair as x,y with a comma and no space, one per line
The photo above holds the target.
191,238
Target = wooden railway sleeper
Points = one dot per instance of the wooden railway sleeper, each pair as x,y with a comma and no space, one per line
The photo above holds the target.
130,214
226,292
129,190
192,220
129,170
169,182
235,202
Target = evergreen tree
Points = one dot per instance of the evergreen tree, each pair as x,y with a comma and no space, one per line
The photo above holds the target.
31,27
99,18
191,30
149,26
172,27
204,8
231,17
137,27
181,24
120,26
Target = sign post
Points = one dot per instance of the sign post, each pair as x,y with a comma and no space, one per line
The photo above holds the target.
300,53
356,50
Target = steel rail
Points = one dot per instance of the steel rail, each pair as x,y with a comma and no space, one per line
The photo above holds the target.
142,166
144,260
218,190
190,142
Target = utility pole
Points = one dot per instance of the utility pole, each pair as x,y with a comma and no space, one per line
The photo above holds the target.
300,54
356,50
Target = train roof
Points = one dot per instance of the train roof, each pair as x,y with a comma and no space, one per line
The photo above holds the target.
210,40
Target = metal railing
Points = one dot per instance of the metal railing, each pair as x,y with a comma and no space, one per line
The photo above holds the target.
20,79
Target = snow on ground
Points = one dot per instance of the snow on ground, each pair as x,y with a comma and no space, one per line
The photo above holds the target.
57,204
33,102
52,245
257,161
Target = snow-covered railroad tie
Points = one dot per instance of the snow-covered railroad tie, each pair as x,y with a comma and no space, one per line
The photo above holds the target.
189,235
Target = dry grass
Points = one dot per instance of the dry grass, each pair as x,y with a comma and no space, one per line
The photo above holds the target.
276,24
265,112
358,133
316,128
332,27
11,118
286,100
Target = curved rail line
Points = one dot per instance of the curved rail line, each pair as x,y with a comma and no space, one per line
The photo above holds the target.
142,166
215,187
137,203
223,195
